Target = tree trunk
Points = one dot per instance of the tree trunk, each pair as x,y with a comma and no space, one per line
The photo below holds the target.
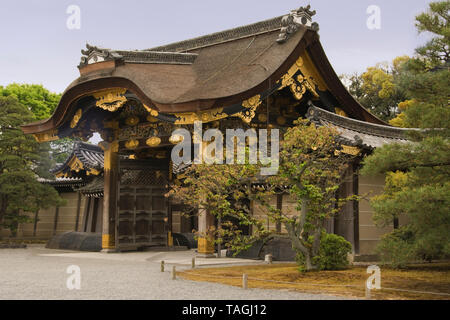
298,246
296,236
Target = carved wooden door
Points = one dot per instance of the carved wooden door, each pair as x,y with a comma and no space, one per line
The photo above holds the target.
142,210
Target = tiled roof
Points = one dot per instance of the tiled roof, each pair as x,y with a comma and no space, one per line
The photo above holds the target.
63,182
91,156
94,188
358,133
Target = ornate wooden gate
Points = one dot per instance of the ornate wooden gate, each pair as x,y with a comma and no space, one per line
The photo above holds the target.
142,210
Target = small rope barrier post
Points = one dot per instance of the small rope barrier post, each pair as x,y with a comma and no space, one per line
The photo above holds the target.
174,273
268,259
162,266
193,263
245,281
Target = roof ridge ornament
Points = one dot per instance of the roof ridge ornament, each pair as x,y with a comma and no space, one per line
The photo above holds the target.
300,17
95,54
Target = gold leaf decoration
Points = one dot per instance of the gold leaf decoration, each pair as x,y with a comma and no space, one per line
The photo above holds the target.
46,136
110,100
309,81
152,112
203,116
76,118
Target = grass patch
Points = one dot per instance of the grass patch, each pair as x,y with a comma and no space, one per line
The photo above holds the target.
22,241
432,277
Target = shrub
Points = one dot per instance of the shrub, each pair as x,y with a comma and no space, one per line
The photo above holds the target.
397,248
332,255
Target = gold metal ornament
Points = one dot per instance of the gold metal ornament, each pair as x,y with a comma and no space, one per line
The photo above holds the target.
132,144
176,138
132,121
153,141
281,120
152,112
262,117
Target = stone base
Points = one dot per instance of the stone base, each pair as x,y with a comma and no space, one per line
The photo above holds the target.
108,251
205,255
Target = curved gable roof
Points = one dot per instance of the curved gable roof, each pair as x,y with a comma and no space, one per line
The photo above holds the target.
208,72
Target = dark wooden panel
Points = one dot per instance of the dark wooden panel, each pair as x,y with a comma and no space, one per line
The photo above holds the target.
142,208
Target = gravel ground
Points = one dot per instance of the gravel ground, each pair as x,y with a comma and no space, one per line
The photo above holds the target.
37,273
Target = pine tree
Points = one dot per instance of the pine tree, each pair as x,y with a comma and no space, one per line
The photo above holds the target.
22,162
418,172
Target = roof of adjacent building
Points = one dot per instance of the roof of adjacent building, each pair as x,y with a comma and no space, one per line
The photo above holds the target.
358,133
88,155
93,188
63,182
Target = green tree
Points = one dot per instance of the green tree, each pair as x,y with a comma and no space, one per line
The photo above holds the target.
377,89
42,103
36,98
311,168
436,22
22,162
418,172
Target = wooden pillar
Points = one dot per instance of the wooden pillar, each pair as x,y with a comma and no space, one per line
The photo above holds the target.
279,207
87,205
110,195
78,211
355,209
55,222
170,222
36,218
205,244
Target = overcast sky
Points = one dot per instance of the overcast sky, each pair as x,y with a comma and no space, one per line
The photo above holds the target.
37,47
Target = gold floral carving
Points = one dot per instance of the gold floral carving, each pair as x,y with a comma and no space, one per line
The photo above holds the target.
111,100
250,106
75,164
309,81
354,151
76,118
